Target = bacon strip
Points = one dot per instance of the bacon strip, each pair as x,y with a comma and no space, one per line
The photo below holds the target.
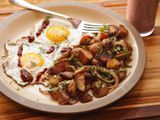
26,76
44,25
51,49
19,62
31,39
19,53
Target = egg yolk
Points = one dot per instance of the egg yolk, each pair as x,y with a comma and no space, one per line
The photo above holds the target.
57,34
31,60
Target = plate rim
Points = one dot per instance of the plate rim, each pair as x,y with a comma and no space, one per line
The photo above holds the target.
87,106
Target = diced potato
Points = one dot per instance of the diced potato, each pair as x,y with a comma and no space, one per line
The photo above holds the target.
72,88
60,96
113,30
81,83
107,43
86,98
123,32
54,79
93,41
79,72
60,66
99,90
122,75
83,55
67,75
113,63
85,40
102,35
123,55
96,48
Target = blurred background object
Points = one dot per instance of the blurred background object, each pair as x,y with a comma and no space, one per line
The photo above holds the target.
142,14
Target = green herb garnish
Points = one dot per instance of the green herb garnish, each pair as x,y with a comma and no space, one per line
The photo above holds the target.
17,89
48,17
122,70
109,52
104,28
118,48
98,84
53,89
33,64
26,44
42,50
128,66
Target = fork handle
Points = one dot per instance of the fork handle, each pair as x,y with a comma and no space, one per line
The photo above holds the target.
24,4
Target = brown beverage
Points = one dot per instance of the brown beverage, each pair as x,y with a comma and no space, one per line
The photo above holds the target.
142,13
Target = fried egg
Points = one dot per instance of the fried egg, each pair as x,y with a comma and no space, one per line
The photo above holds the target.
32,60
58,34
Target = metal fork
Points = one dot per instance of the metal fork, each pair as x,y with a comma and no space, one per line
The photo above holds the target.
84,26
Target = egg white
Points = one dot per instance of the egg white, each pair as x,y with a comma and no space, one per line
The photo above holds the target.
40,45
73,38
13,70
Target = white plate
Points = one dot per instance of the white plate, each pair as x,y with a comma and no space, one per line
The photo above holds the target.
16,24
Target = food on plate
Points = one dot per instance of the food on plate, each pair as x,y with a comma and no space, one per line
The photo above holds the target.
71,65
35,53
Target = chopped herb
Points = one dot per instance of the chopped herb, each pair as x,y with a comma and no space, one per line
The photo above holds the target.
122,70
42,50
98,84
61,85
53,89
67,82
33,64
109,52
72,67
104,28
79,46
64,36
126,51
46,78
36,42
26,44
118,48
57,45
103,84
18,89
31,33
42,31
95,34
128,66
10,82
48,17
113,38
88,40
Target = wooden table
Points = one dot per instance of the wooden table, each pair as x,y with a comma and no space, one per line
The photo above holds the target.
142,103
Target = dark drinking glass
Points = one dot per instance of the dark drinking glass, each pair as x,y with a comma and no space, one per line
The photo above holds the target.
142,14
